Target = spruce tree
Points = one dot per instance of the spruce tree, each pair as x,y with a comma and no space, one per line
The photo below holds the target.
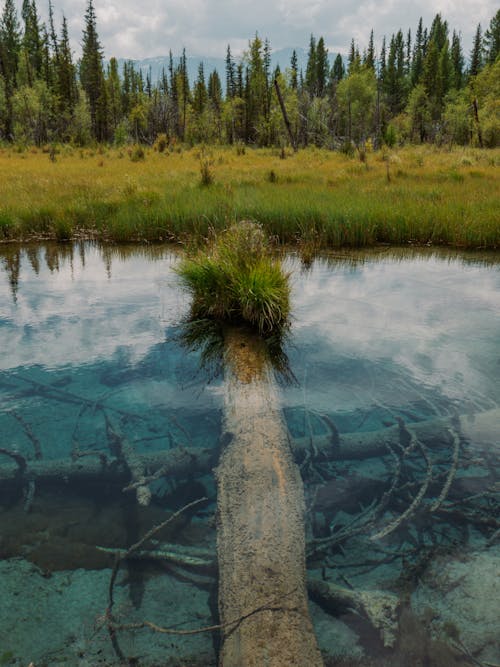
338,69
417,64
32,43
92,75
369,60
322,67
311,68
214,90
294,71
200,94
10,47
457,61
476,56
492,39
230,75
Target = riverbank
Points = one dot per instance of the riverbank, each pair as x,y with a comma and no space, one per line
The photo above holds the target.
317,198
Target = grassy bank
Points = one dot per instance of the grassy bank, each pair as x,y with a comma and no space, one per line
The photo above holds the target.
318,198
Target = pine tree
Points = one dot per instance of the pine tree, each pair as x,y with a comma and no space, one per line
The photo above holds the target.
322,67
417,64
214,90
92,75
230,76
200,94
52,32
439,32
394,79
457,61
32,44
114,95
353,59
311,79
256,91
10,47
183,82
476,56
382,64
338,69
294,71
492,39
369,60
66,89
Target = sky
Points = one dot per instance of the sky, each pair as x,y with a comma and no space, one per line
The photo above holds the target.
132,29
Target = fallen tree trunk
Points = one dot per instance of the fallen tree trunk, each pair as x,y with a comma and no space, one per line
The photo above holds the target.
379,607
480,429
260,521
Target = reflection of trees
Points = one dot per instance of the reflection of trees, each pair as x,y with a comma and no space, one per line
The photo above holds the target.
57,255
11,261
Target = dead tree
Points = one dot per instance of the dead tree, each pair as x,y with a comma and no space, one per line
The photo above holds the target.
260,521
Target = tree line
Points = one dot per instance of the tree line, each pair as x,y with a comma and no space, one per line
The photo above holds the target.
417,87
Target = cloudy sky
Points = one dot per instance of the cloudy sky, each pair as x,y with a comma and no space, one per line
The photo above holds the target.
132,29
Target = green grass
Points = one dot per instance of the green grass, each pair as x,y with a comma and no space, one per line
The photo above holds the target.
235,279
416,195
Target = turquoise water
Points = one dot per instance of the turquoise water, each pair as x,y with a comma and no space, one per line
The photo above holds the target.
92,357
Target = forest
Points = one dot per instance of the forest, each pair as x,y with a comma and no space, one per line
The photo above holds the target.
416,87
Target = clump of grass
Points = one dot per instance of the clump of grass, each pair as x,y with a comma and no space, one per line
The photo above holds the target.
161,143
136,153
206,168
235,279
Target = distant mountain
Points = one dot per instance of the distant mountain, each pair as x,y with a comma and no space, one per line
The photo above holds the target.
155,65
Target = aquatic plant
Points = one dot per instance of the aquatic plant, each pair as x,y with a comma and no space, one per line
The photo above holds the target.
235,278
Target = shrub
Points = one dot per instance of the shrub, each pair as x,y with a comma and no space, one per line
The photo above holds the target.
237,280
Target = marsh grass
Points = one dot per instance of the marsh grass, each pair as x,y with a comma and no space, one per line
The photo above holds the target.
432,197
236,279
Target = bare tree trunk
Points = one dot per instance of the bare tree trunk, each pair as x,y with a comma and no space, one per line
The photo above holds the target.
260,531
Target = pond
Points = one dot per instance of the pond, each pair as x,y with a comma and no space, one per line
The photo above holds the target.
394,355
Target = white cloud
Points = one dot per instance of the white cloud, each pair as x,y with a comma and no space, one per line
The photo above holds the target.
138,30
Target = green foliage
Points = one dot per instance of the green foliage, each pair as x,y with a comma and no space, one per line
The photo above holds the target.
236,280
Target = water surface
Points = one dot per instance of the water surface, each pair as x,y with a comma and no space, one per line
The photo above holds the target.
91,352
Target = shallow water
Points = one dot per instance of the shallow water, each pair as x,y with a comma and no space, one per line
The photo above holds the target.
91,356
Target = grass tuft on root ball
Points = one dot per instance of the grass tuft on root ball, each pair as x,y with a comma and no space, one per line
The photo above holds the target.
236,279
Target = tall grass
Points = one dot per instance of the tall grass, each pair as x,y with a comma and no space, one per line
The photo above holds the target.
432,197
235,279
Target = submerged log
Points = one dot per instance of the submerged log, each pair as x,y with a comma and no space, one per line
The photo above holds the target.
479,429
379,607
260,521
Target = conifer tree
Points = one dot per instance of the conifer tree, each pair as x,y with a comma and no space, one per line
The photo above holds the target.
476,56
294,71
492,39
10,46
369,60
214,90
417,64
92,75
338,69
311,68
32,43
200,94
65,85
113,83
230,75
322,67
457,61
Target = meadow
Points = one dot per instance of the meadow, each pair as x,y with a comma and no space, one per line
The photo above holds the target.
315,198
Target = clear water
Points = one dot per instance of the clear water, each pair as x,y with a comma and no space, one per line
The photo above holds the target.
90,349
